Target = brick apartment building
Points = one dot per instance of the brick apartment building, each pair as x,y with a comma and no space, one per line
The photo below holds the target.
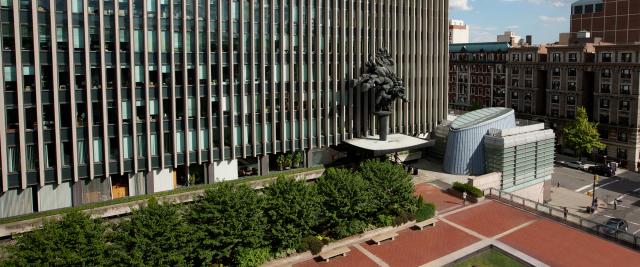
615,21
477,76
599,76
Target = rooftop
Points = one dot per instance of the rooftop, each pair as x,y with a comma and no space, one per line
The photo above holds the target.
479,117
479,47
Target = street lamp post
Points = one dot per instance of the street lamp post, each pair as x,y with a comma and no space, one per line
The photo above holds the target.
593,193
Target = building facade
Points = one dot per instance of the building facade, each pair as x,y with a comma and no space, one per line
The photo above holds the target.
477,75
527,80
458,32
105,99
615,21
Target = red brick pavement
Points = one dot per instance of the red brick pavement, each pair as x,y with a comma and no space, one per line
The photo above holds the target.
414,248
490,219
354,258
434,195
559,245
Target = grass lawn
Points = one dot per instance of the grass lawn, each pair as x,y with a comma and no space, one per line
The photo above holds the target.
487,258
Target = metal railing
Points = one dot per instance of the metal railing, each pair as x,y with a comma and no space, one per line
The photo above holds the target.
587,225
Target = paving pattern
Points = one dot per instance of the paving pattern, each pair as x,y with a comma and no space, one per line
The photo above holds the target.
465,229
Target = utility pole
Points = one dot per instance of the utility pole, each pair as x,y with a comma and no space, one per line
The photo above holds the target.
593,192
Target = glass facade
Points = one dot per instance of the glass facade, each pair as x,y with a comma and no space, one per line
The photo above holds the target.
93,88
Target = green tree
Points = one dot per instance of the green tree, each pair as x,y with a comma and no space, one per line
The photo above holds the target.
346,197
391,186
582,135
155,235
76,240
293,210
228,219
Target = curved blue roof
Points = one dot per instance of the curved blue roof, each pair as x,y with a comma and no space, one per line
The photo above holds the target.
480,117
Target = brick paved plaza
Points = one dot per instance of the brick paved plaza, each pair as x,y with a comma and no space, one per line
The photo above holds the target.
462,230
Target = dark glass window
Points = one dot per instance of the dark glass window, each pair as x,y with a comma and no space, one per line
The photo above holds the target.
588,9
577,10
599,7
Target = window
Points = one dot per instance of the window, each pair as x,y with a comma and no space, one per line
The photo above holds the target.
555,85
622,153
573,57
604,133
588,9
604,118
599,7
577,10
626,57
514,95
529,57
605,88
622,137
623,105
515,57
623,121
556,72
625,74
571,114
606,73
528,83
606,57
514,83
515,71
625,89
571,100
604,103
572,72
527,96
556,57
555,113
528,71
555,99
571,86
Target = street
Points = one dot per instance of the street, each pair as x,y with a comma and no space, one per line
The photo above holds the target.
625,187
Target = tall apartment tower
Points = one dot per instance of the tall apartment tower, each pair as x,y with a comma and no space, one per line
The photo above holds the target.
103,99
458,32
615,21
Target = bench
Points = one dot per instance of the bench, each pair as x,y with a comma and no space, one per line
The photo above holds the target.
425,223
341,251
382,237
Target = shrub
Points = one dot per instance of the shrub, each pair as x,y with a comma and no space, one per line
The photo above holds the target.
474,191
311,243
155,235
346,196
252,257
76,240
391,186
403,217
349,228
385,220
425,211
228,219
293,209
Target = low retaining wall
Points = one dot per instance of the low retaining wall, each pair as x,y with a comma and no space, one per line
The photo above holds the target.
10,229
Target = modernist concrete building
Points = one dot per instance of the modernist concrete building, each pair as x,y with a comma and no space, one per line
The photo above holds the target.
105,99
477,76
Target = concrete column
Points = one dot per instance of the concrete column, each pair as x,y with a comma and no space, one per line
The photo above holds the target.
76,193
209,173
263,164
149,182
308,159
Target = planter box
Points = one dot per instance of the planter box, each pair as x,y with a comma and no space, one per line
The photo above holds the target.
470,197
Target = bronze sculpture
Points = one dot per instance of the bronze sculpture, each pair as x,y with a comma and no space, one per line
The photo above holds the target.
378,75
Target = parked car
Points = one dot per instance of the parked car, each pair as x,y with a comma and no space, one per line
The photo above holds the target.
602,170
575,165
614,226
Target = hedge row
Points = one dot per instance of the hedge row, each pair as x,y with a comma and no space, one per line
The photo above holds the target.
474,191
232,224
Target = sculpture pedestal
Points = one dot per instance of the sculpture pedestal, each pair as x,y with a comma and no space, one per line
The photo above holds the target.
383,124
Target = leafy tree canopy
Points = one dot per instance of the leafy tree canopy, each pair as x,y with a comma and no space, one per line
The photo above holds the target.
76,240
391,185
346,195
227,220
293,210
582,135
155,235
